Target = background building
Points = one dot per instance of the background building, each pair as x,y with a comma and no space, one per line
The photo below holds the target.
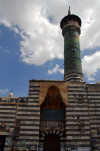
57,114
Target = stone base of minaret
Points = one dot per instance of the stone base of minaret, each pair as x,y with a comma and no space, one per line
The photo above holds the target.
74,76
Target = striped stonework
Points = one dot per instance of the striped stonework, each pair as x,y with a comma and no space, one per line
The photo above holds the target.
77,118
29,115
52,131
27,112
94,112
20,118
7,119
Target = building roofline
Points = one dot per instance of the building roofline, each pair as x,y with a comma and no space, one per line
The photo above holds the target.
39,80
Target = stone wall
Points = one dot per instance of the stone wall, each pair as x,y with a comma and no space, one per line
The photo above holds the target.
94,113
77,117
82,121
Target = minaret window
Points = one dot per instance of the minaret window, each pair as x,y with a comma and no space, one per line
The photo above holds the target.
73,51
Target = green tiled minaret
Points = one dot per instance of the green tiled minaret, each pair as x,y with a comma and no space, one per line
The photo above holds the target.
70,26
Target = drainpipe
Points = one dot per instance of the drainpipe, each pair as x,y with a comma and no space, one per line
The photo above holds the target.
37,146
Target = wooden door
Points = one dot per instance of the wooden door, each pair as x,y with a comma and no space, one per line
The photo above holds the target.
52,142
2,142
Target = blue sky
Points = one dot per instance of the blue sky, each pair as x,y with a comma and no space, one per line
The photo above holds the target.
32,45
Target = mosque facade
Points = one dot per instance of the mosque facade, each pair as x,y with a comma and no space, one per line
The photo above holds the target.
57,115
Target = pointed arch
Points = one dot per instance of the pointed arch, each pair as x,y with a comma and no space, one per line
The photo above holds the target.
53,98
60,85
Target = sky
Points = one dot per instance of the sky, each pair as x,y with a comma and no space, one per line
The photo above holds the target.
32,45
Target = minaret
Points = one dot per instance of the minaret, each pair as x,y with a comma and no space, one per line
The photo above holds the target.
70,26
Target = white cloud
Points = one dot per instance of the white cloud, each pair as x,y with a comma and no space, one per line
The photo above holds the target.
3,91
91,65
6,51
0,33
55,70
38,23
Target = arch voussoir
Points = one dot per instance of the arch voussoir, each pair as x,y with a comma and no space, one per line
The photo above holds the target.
53,131
6,127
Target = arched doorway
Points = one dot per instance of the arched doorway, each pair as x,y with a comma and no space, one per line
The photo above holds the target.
52,118
2,139
52,142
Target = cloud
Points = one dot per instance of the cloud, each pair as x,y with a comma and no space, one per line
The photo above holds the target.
6,51
55,70
0,33
91,65
38,23
3,91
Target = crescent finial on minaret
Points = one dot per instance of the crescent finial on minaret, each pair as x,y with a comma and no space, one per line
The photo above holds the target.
69,11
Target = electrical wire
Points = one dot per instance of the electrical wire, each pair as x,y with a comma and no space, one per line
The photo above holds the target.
28,85
14,83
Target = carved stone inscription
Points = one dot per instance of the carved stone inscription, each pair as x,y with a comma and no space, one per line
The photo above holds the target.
52,123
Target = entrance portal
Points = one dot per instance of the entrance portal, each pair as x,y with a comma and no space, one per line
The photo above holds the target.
52,142
2,142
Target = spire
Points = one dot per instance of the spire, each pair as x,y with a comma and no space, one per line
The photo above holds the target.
69,11
11,94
